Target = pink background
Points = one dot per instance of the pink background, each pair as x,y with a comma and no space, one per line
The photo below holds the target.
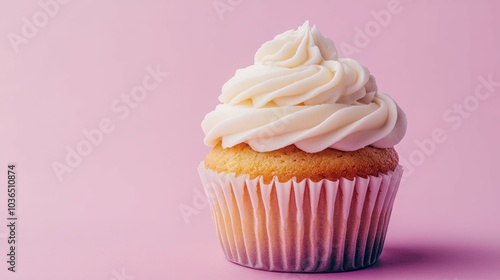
116,215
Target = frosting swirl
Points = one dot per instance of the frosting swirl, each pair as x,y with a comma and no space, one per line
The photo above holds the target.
299,92
304,46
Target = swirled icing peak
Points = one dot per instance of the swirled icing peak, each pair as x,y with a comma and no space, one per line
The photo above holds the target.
299,92
293,48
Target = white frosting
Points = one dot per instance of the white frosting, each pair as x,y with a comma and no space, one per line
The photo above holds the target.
299,92
304,46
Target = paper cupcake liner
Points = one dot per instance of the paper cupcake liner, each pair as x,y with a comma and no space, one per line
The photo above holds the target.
301,226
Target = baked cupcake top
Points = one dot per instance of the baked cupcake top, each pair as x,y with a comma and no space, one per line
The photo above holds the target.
290,162
300,93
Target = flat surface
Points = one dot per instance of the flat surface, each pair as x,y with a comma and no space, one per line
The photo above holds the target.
115,213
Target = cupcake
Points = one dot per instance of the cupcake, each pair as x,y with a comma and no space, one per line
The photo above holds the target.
303,173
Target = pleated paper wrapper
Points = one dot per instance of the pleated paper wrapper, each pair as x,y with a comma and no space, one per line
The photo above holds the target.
302,226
